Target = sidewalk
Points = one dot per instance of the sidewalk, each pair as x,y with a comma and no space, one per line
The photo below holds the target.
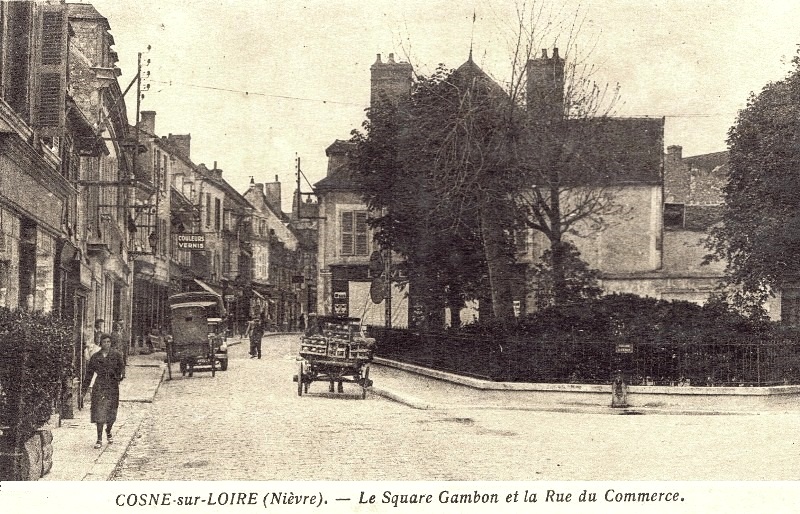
74,458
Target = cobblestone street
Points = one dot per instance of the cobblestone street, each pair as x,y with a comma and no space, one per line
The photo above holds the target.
249,424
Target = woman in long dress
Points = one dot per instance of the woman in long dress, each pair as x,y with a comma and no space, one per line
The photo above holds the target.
108,366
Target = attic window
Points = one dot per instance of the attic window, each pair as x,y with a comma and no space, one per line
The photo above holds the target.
674,215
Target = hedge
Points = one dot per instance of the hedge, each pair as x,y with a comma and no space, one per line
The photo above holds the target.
36,352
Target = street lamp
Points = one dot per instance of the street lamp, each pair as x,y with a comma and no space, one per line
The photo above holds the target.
153,240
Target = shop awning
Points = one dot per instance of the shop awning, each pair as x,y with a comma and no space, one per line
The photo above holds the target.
207,287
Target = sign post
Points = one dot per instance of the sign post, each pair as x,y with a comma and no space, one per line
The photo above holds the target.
388,290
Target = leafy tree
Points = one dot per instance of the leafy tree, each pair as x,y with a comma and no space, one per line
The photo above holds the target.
760,229
467,155
580,282
439,242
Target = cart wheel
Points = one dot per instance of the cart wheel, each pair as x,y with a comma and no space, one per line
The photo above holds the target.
300,380
365,382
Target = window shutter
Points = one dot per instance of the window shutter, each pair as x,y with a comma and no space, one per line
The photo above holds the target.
53,71
347,233
361,233
16,80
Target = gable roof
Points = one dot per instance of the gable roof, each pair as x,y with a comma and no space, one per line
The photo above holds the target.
710,162
338,178
621,150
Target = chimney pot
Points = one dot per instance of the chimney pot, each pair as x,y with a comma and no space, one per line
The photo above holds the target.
391,58
555,53
544,53
276,178
379,58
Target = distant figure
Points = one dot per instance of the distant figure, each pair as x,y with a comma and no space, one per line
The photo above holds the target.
118,342
105,370
249,329
256,333
302,322
99,327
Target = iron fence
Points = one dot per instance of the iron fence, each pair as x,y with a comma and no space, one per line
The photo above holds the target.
566,359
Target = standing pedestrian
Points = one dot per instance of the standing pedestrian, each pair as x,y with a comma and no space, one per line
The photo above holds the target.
104,373
99,327
118,341
256,333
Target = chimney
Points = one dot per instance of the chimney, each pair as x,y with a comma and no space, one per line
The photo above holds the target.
272,192
546,86
391,78
147,122
182,142
675,152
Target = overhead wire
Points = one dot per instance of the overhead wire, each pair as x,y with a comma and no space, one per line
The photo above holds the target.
256,93
339,102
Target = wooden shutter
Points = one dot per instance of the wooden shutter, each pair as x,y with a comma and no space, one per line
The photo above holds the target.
362,243
348,235
51,107
18,60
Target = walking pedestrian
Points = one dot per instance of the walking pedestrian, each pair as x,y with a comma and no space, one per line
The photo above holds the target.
256,333
104,373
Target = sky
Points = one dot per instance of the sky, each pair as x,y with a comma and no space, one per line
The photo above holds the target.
259,83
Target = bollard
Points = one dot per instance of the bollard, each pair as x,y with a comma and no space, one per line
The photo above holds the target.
619,391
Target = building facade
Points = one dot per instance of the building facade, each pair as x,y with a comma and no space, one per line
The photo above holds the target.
277,258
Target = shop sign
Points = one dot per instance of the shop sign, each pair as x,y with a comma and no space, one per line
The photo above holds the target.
625,348
191,241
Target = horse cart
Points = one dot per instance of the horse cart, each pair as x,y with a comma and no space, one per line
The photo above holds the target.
198,336
334,350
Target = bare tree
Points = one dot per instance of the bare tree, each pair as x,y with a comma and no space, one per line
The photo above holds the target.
538,150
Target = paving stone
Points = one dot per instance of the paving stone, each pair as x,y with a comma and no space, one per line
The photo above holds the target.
248,423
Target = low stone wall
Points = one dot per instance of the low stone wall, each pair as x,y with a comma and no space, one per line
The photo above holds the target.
672,399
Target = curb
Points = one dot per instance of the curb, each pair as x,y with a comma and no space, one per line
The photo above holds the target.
409,401
416,403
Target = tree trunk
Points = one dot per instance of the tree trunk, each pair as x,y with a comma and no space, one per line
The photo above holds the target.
556,246
498,261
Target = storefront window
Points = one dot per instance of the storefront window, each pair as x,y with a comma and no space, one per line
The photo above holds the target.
9,259
45,257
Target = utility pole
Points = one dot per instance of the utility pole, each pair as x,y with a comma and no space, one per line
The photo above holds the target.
388,289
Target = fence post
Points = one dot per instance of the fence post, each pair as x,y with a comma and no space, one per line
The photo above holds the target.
619,391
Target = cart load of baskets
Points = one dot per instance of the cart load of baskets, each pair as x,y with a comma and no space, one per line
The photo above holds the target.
335,350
